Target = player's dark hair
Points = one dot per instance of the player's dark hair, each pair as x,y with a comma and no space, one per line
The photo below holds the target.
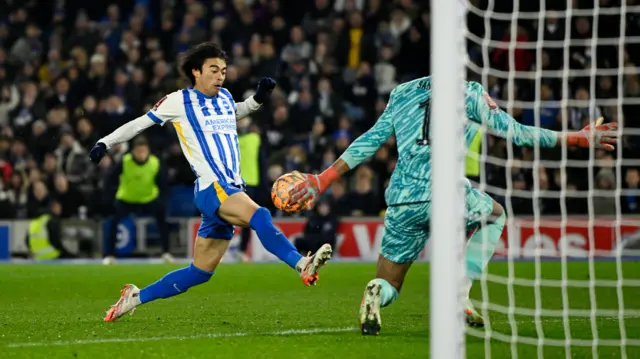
196,56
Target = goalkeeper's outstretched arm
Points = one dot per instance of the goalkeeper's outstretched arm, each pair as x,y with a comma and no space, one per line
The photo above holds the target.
361,149
481,108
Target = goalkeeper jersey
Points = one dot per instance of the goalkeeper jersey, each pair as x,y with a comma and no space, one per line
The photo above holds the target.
407,116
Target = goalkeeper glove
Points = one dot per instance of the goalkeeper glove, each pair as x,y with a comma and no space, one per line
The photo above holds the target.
307,193
600,136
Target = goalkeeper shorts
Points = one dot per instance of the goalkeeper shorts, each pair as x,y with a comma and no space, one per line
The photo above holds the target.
406,227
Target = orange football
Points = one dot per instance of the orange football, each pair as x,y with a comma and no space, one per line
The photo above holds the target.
280,191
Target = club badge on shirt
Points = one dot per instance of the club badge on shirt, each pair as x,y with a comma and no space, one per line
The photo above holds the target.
155,107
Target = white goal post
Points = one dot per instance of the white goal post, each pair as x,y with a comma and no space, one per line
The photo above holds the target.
565,280
447,341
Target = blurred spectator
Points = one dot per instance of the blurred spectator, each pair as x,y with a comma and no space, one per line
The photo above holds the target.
74,162
604,203
18,194
329,102
87,135
69,199
631,201
578,114
44,237
522,57
338,199
298,48
178,170
273,173
385,71
547,114
38,200
27,48
7,209
321,228
141,184
9,100
363,201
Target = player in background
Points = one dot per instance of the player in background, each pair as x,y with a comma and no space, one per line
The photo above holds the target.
408,195
204,117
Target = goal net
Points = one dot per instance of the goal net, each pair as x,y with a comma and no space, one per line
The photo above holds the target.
566,281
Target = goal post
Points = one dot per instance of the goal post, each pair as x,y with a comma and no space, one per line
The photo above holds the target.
446,320
565,281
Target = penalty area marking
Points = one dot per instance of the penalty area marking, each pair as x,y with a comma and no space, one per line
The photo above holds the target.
185,337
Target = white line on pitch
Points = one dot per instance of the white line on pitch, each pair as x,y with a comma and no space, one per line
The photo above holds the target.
186,337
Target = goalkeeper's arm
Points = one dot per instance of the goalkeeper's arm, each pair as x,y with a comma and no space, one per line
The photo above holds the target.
362,148
482,109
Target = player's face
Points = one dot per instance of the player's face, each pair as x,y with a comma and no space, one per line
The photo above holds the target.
210,79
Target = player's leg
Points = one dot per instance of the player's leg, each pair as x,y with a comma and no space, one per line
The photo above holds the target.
404,238
208,253
489,218
240,210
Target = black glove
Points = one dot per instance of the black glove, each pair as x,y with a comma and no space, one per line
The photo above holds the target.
265,87
97,152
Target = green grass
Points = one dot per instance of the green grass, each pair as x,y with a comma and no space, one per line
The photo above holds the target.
59,307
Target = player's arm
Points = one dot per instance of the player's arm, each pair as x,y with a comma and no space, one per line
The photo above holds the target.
126,132
481,108
167,109
246,107
361,149
253,103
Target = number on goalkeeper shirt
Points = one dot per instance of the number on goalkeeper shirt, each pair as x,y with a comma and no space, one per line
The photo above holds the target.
424,140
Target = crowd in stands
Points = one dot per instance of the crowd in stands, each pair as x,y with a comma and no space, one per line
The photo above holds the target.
72,71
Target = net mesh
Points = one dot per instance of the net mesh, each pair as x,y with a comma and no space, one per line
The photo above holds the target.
566,282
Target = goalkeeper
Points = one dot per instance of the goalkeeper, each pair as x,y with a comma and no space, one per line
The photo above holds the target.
408,195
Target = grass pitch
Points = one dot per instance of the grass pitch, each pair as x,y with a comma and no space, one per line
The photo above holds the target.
264,311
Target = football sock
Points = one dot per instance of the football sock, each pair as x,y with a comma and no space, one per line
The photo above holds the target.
388,293
174,283
272,239
479,251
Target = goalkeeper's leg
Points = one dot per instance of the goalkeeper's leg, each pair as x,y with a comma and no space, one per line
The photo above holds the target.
489,218
405,237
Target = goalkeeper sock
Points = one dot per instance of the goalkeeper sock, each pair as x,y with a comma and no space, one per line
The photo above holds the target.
388,293
479,253
174,283
272,239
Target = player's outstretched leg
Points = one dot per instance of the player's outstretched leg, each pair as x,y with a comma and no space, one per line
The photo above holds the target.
207,255
480,249
276,243
240,210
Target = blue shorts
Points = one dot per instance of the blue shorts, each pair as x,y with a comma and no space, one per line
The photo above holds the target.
208,202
